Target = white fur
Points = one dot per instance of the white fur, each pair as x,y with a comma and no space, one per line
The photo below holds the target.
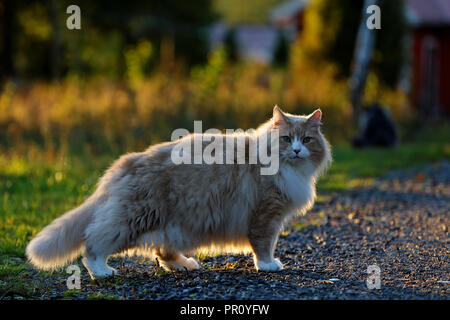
98,267
271,266
298,185
61,241
297,145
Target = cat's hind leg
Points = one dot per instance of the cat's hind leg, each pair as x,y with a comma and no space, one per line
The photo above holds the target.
103,239
95,259
98,268
170,260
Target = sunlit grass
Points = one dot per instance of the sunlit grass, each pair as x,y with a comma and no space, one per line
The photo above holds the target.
34,192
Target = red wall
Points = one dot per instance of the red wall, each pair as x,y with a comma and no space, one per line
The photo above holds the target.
442,37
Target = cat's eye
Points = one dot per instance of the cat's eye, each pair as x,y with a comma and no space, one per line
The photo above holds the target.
306,139
286,138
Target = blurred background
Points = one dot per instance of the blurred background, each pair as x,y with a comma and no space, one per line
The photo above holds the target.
137,70
72,101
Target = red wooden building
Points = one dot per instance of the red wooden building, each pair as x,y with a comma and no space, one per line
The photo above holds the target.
430,29
289,15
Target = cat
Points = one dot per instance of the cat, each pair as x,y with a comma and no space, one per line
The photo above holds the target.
145,204
376,128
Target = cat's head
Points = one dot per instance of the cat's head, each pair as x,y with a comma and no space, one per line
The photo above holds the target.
300,139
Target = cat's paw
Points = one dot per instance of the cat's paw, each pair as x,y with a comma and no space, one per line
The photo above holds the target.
181,264
272,266
98,269
192,264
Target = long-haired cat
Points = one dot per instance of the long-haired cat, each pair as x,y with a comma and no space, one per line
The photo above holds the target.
147,204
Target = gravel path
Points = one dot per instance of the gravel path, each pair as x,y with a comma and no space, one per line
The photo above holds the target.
399,223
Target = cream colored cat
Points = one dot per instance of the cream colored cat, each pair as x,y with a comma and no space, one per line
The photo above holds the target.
147,204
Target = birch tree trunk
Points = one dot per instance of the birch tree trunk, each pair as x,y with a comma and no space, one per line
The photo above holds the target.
365,42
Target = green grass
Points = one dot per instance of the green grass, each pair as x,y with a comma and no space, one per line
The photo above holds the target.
33,192
351,168
103,296
15,279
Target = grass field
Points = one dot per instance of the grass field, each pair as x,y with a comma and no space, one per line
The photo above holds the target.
34,191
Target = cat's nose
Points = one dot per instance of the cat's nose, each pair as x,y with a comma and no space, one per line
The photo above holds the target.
297,150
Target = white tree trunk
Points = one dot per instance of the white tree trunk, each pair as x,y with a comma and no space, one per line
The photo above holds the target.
365,42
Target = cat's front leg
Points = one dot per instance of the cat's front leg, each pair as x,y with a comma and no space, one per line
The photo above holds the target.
264,259
263,236
272,266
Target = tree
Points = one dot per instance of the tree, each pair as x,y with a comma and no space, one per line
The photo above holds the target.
184,22
33,37
6,45
330,34
56,40
389,52
281,51
251,11
231,45
365,41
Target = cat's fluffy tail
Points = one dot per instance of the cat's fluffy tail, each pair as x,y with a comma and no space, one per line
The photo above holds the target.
63,240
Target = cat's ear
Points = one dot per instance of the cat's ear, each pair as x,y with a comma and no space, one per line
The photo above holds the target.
314,119
279,119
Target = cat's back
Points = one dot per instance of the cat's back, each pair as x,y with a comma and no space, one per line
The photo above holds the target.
153,176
